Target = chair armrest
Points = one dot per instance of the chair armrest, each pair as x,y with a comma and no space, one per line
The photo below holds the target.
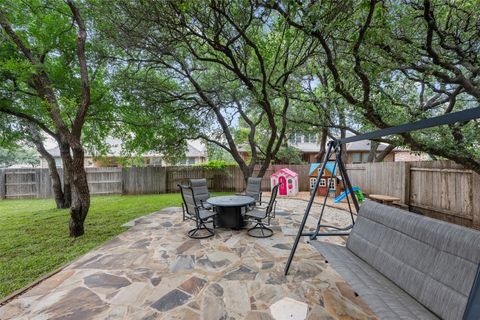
202,206
274,208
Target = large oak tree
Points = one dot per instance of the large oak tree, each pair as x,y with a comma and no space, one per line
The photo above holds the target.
399,61
50,83
231,62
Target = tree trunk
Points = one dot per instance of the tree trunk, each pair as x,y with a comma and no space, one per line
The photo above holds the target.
321,153
372,155
343,133
264,167
384,153
66,161
58,194
80,194
56,181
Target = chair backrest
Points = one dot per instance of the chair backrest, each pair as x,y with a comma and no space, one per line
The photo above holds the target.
434,261
253,189
273,196
200,189
188,200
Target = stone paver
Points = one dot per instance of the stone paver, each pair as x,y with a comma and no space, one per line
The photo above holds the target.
154,271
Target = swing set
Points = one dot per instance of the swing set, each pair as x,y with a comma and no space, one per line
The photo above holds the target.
335,148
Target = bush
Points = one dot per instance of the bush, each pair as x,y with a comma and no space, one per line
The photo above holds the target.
217,164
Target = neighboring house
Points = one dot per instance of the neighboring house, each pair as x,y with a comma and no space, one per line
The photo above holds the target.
196,153
357,152
308,144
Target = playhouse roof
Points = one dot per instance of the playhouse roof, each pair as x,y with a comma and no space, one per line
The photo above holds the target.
285,171
330,166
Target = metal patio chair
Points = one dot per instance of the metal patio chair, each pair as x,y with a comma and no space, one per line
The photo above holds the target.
259,215
201,193
201,216
254,190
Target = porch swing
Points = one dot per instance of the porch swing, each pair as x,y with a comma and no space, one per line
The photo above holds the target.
394,226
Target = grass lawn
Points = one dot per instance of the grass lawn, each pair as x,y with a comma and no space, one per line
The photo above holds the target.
34,236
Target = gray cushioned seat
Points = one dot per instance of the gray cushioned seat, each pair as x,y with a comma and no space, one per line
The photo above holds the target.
200,191
205,214
433,261
386,299
259,214
253,189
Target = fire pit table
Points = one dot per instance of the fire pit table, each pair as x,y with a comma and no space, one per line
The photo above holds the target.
229,210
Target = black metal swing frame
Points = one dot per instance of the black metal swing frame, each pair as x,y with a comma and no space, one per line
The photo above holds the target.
334,147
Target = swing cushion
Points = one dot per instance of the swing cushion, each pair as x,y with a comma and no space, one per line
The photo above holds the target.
431,261
386,299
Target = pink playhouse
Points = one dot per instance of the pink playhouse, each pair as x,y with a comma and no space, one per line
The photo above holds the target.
288,180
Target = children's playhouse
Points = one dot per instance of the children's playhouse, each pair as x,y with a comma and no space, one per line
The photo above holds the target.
288,180
329,182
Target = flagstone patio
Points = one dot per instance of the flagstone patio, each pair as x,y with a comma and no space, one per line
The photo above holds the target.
154,271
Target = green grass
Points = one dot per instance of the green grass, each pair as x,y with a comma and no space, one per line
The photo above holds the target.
34,236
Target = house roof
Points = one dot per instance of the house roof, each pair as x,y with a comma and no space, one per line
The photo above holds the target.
285,171
330,166
364,145
195,148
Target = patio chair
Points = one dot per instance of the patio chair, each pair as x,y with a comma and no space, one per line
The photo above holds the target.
259,215
201,216
200,191
254,190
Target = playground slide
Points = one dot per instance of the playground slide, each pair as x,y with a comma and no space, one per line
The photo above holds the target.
342,195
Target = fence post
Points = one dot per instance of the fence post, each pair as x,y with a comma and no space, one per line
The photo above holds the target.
37,182
123,180
475,200
407,179
167,181
2,184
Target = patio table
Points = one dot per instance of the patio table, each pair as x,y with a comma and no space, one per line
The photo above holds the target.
229,209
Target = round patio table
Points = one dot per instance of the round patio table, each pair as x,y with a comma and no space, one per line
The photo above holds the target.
229,209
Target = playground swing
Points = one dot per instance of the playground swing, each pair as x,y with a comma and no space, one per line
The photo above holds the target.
334,147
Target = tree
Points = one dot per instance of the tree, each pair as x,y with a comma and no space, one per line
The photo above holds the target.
18,156
228,61
402,61
289,155
46,47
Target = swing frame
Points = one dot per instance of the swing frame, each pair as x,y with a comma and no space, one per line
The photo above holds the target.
335,146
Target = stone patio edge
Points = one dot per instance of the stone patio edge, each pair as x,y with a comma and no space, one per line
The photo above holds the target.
36,282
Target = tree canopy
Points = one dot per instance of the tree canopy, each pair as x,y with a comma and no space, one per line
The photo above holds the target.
242,75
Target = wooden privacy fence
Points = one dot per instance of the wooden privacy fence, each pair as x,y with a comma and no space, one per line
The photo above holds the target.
439,189
230,178
36,183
